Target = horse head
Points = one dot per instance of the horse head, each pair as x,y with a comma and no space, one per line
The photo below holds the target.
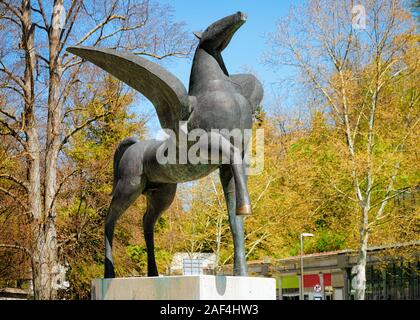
218,35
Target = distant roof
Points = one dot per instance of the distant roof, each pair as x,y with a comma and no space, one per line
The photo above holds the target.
328,253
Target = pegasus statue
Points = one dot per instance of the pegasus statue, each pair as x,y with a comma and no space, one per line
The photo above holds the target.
215,100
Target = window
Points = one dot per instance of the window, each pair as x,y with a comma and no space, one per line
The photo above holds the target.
193,266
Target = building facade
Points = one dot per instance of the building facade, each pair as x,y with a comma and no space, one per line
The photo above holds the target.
328,275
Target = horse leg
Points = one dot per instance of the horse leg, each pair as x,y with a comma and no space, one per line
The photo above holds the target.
243,204
126,191
158,200
236,222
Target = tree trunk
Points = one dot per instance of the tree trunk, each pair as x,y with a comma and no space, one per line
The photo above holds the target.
42,150
41,232
44,262
359,280
44,245
47,240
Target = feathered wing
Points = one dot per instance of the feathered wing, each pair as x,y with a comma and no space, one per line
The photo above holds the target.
162,88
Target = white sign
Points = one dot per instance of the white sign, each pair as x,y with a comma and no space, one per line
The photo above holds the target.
317,288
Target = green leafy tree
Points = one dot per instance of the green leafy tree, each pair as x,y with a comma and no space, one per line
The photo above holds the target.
367,82
84,201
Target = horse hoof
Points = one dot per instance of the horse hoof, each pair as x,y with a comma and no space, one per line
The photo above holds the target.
245,210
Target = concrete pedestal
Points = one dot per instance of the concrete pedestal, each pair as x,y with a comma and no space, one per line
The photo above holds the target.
200,287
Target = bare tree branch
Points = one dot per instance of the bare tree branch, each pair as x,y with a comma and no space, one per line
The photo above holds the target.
40,27
11,19
344,194
16,198
122,29
270,180
160,57
43,59
13,132
9,115
71,17
83,125
17,247
312,77
59,189
99,26
13,89
11,75
41,11
388,191
14,179
69,65
12,9
257,242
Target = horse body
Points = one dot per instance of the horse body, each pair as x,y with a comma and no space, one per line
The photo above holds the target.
215,101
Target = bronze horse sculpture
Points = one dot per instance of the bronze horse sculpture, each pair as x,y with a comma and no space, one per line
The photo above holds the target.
215,100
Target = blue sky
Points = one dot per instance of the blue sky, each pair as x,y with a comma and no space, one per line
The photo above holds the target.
248,44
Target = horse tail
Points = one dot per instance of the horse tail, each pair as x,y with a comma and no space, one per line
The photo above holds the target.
122,147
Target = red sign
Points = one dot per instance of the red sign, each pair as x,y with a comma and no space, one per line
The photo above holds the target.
311,280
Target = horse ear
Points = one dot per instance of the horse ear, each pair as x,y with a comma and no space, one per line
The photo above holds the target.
198,34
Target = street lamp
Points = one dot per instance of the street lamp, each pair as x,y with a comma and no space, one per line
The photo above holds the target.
301,261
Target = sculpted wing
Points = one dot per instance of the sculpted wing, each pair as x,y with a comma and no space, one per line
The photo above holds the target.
251,88
162,88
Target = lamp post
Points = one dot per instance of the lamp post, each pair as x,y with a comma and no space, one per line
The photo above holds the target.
301,261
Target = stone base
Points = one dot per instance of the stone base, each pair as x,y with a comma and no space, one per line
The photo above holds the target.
200,287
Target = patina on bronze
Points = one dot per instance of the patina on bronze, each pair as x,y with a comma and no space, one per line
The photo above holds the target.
216,100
